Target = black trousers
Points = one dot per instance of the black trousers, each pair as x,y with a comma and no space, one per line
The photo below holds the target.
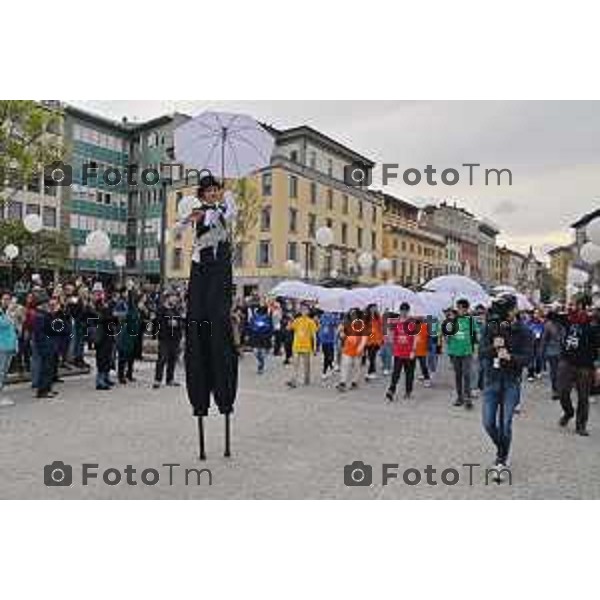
328,349
125,367
370,355
168,353
211,362
581,378
423,365
408,365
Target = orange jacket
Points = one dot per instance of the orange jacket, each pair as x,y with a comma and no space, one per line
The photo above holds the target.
376,335
422,341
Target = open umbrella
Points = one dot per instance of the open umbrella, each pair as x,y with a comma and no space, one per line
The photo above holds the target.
295,289
459,287
228,145
390,297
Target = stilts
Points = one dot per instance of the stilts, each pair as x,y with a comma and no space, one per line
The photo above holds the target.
227,452
201,437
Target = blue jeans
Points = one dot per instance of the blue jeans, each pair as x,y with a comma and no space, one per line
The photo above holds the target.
102,379
5,360
261,355
500,432
386,356
432,355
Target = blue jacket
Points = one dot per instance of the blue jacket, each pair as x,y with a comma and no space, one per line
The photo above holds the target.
8,335
328,324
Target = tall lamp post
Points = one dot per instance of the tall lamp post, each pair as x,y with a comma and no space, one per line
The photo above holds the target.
11,252
165,182
324,239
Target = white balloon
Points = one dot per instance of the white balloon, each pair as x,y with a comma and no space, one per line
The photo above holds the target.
334,273
186,205
119,260
590,253
365,260
324,236
593,231
33,223
384,265
11,251
98,242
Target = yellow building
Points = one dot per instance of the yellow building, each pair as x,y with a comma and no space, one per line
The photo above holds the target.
561,258
417,254
302,190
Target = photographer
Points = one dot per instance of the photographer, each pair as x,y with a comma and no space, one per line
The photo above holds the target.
505,350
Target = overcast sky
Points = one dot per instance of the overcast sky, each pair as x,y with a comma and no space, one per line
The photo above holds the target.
552,149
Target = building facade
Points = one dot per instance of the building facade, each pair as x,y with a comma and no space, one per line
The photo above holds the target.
486,253
302,190
561,260
510,267
417,254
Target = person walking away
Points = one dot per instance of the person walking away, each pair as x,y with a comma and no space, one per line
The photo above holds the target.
261,335
460,347
576,366
42,349
328,330
550,348
8,345
421,351
404,353
353,346
506,350
304,329
536,326
169,336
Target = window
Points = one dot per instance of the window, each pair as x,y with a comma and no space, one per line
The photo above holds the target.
293,186
294,155
344,264
373,240
330,167
177,259
345,204
412,248
32,209
374,215
15,210
267,184
313,192
344,233
360,209
395,267
395,244
359,237
49,216
403,246
313,160
238,258
292,251
312,225
312,255
329,199
34,184
329,223
99,197
293,220
265,219
107,199
264,253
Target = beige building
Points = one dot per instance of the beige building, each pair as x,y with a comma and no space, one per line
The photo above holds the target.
417,254
302,190
561,259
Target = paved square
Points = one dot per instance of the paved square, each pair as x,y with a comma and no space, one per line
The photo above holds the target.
286,443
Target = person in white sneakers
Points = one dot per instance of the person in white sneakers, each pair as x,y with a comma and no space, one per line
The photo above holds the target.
8,345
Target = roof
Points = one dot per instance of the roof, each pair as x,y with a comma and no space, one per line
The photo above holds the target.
320,138
586,219
394,199
558,249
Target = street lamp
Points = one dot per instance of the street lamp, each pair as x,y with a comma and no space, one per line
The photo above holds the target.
166,181
324,238
11,252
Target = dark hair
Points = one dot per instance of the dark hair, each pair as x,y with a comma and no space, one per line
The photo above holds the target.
463,302
405,306
206,182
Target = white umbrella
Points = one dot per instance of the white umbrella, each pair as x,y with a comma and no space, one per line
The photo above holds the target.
460,287
504,289
294,289
390,297
330,299
356,298
436,302
228,145
523,302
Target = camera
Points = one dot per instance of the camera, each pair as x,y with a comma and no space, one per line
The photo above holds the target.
358,474
499,326
58,174
357,175
357,323
58,474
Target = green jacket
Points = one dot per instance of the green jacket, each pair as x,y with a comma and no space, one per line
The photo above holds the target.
462,343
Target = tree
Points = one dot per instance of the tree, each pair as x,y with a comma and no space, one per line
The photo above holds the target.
248,202
47,249
28,142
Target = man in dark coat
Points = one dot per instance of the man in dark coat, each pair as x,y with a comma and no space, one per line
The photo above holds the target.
170,326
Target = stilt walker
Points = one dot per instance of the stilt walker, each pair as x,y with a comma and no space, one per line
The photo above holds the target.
233,146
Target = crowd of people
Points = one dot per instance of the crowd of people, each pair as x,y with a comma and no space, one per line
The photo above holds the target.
45,329
490,350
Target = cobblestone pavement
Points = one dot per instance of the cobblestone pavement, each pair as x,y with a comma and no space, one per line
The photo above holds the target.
286,443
